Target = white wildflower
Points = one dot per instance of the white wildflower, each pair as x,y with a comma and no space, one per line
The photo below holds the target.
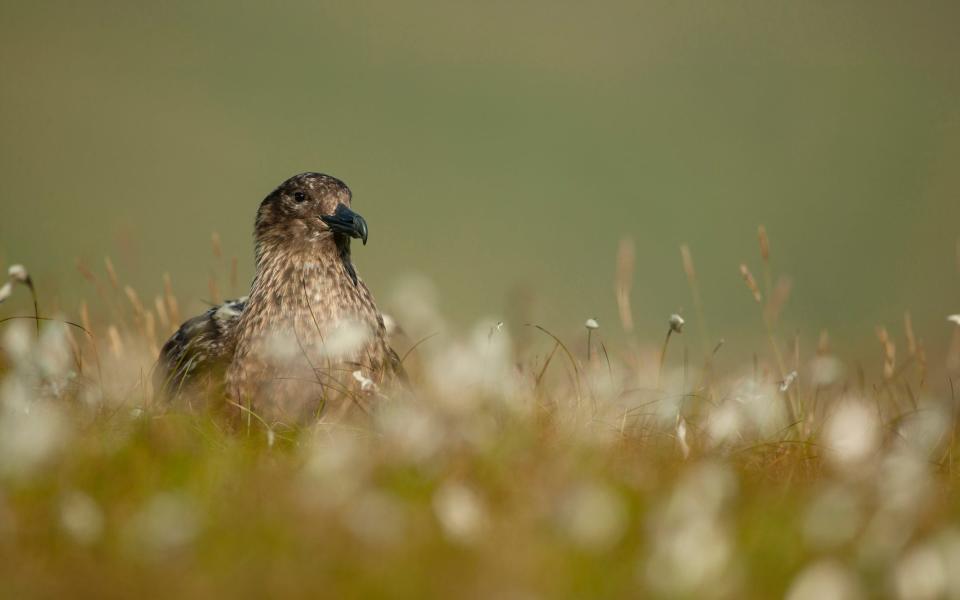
416,304
346,339
281,346
591,324
924,431
691,543
411,431
904,482
954,319
594,516
27,440
336,464
852,433
825,370
53,355
460,512
825,579
377,519
788,381
366,384
167,522
469,369
762,404
724,423
18,343
682,437
81,518
18,274
833,517
921,574
676,323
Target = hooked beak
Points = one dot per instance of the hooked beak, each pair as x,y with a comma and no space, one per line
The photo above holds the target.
347,222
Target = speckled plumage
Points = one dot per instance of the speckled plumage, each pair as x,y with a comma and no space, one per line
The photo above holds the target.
291,347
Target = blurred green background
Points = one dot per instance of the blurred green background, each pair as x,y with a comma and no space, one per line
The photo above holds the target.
502,146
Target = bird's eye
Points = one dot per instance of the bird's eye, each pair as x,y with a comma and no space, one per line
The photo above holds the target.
300,197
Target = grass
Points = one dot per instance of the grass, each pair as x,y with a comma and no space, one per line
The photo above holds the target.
541,472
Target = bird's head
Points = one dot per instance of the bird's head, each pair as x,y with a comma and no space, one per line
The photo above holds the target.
309,208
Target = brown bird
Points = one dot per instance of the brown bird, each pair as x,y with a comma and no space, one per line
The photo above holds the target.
309,335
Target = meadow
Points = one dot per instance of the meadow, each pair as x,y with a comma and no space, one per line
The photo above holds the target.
521,462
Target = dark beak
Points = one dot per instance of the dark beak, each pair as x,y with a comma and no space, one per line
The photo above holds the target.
347,222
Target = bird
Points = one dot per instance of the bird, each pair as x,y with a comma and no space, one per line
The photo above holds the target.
309,335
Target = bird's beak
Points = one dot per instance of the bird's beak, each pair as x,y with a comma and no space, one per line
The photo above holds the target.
345,221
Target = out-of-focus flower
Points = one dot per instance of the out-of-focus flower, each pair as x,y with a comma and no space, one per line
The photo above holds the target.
366,384
824,580
346,339
591,324
18,343
692,549
833,517
921,574
376,519
53,356
923,431
411,431
167,522
760,405
81,517
852,433
415,302
481,366
29,439
825,370
682,437
18,273
788,381
676,323
954,319
15,274
460,512
948,542
594,516
724,423
904,482
337,464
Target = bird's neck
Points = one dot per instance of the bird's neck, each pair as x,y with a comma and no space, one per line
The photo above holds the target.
291,279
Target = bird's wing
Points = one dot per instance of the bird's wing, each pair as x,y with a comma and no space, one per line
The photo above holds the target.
202,347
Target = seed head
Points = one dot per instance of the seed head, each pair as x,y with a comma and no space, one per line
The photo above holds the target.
751,283
954,319
676,323
764,243
788,381
366,384
592,324
18,273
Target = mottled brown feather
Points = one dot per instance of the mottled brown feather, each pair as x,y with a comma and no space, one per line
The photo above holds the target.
292,346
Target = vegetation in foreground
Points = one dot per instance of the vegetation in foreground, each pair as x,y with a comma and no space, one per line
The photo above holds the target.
507,470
